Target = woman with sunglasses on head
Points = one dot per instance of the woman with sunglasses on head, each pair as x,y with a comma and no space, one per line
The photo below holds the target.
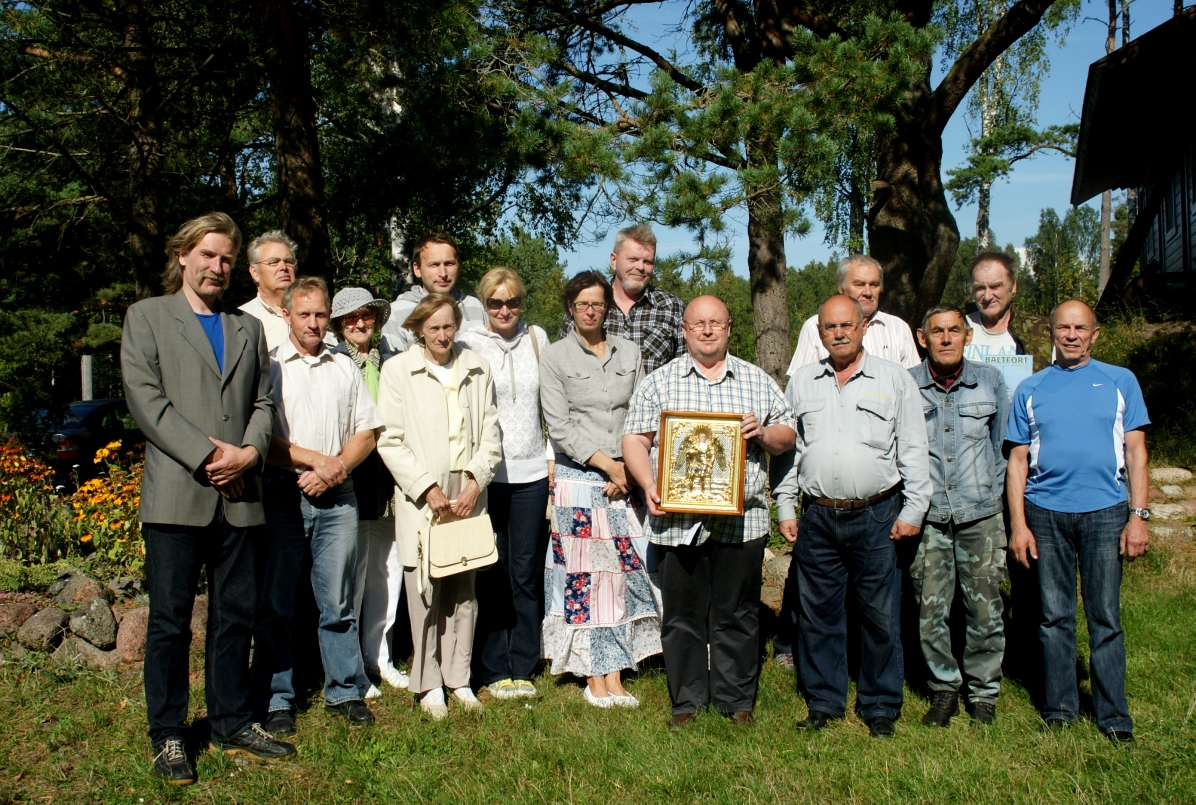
507,639
357,319
602,612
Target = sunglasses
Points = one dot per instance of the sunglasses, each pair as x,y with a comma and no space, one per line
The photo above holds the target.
514,303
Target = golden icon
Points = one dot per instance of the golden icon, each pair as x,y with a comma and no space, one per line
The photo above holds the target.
701,462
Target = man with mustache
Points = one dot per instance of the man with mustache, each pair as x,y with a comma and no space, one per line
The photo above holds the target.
862,472
436,264
644,314
967,407
1076,442
709,566
197,380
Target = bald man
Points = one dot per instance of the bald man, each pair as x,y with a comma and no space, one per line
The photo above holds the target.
1075,441
709,565
861,475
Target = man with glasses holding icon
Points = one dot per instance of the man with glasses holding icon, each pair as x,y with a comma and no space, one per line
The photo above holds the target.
642,313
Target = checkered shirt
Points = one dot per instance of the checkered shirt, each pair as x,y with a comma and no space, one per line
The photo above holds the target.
681,386
654,324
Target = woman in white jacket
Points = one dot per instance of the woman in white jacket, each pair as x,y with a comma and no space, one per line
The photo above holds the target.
440,441
510,593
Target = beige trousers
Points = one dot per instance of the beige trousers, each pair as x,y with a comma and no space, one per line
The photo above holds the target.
442,623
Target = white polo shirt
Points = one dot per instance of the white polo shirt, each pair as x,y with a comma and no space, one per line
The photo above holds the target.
322,399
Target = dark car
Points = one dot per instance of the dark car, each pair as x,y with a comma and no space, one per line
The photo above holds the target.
86,427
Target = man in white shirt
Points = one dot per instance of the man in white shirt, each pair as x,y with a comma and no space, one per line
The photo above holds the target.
436,265
888,337
996,328
326,425
272,266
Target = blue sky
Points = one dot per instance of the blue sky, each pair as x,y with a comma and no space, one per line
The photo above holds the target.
1042,182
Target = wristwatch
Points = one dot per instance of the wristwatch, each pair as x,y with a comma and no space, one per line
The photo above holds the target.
1143,513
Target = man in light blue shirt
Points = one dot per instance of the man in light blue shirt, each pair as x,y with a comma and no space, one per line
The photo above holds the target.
1076,439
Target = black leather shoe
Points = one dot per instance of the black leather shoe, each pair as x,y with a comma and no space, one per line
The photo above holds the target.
358,714
984,712
680,721
881,727
280,723
815,721
1120,736
944,705
258,744
171,762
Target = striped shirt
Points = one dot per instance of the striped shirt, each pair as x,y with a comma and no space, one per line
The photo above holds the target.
743,387
887,337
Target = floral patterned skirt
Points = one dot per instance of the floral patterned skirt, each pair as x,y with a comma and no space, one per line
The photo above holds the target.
602,606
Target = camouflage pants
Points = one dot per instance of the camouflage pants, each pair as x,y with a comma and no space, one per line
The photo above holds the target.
975,552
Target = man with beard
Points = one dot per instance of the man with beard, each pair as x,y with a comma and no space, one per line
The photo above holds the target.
197,380
642,313
863,474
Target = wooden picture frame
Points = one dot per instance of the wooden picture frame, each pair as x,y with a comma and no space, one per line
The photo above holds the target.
700,462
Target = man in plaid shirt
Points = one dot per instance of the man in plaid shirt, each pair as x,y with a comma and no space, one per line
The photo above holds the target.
709,566
643,313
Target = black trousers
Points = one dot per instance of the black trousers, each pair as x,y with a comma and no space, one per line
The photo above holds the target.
173,558
710,630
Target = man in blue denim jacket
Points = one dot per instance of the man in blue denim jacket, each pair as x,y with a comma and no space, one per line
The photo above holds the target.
967,408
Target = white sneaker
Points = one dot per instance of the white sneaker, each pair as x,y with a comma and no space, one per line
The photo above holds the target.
467,699
433,704
372,692
628,701
395,678
606,702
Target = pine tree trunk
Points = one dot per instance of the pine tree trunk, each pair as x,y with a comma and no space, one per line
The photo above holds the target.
983,201
766,272
297,148
911,230
146,244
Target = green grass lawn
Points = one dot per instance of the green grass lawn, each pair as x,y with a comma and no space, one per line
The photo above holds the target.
73,736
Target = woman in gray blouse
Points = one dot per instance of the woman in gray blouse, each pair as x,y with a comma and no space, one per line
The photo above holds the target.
601,607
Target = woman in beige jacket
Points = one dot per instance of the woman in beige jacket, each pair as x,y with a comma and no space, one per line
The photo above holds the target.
440,441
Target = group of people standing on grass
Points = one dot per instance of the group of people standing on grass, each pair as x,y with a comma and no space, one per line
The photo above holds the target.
341,430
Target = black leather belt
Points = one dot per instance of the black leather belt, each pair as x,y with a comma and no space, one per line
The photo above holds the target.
852,505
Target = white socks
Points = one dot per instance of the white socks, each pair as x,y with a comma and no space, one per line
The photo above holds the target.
433,697
465,694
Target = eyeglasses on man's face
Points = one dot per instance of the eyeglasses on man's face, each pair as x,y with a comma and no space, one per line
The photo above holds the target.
275,262
586,307
495,304
845,326
715,325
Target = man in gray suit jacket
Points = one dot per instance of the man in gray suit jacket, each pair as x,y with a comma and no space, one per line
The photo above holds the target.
197,380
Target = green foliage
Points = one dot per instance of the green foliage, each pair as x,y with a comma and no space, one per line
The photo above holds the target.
1064,256
36,361
18,576
994,155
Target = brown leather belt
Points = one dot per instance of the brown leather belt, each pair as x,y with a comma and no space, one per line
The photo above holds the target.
852,505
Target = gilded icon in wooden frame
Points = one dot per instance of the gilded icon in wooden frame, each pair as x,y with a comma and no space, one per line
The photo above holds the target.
700,462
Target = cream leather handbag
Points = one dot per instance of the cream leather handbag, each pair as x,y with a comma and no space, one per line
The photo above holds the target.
457,545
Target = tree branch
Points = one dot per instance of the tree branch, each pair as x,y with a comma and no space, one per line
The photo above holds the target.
601,83
972,63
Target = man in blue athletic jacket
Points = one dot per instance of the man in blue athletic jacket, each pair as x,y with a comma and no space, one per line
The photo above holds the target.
1076,442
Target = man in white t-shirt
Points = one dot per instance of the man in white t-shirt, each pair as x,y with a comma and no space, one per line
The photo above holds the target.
996,328
888,337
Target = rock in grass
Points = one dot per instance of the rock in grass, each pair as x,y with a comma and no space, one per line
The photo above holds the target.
43,630
130,638
94,623
776,570
1168,511
75,587
74,650
1172,490
13,616
199,621
1170,475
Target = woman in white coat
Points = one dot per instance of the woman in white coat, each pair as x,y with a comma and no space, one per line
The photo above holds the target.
440,441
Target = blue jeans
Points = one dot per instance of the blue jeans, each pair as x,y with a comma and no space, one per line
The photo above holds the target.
510,607
295,523
1095,539
836,548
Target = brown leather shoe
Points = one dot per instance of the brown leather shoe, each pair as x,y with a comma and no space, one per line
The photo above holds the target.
680,721
743,719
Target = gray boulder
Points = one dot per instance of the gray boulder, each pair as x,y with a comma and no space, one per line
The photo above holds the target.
13,616
776,570
94,623
43,630
75,587
75,651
